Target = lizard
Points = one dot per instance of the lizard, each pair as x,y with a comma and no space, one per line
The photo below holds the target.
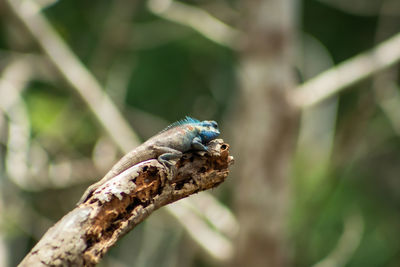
169,144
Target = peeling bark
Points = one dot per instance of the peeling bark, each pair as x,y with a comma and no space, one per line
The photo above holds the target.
83,236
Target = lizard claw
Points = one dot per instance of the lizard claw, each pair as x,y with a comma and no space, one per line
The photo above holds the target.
89,192
171,168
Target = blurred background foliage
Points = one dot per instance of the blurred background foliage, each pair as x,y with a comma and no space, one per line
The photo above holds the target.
345,181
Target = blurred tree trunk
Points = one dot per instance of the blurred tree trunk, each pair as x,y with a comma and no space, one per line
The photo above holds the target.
267,128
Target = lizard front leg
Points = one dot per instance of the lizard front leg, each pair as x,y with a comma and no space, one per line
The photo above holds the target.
198,145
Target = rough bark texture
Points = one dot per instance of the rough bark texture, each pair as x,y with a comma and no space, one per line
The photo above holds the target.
85,234
267,129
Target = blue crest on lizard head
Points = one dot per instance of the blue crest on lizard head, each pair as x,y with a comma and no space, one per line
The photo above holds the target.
186,120
208,130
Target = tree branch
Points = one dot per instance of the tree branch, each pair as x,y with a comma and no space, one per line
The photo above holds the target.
347,73
75,73
198,19
85,234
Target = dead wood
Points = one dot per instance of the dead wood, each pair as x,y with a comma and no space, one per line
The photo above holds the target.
84,235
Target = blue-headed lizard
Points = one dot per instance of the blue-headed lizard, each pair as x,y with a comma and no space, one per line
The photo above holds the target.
169,144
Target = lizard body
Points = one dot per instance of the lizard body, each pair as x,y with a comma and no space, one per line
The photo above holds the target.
167,145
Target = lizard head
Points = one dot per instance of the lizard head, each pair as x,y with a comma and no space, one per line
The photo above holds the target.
208,130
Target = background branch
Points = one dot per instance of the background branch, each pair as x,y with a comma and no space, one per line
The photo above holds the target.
75,73
197,19
347,73
309,93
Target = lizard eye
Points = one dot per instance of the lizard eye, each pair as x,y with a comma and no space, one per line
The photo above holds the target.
214,124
